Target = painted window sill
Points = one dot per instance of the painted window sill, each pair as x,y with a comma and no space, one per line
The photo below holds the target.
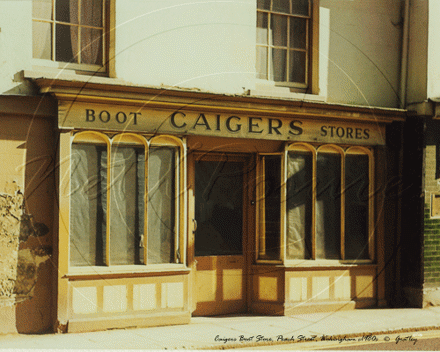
126,271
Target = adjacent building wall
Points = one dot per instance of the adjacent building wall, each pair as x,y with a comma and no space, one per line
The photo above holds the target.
26,221
364,51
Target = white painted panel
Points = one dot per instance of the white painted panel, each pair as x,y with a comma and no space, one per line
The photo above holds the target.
115,298
84,300
342,287
320,287
172,295
144,297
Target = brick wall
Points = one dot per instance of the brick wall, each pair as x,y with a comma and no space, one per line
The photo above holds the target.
431,250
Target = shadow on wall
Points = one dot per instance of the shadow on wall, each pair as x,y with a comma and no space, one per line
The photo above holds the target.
19,263
27,193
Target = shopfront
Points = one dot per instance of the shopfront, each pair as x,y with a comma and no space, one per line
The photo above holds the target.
175,204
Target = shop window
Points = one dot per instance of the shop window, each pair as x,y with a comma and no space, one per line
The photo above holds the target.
124,201
269,201
284,41
317,206
70,31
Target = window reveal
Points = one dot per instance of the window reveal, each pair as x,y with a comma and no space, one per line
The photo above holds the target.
283,28
93,197
69,31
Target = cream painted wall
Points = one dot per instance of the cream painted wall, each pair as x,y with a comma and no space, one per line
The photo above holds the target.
209,45
204,44
363,51
15,44
418,49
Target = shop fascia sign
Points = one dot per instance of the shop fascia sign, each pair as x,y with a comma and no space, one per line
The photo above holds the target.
186,122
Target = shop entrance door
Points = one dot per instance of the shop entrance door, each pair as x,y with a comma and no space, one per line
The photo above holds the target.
221,233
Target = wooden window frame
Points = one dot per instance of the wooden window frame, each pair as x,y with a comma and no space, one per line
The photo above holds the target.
311,84
132,139
108,40
314,150
260,210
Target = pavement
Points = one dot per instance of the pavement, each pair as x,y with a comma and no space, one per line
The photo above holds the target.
242,331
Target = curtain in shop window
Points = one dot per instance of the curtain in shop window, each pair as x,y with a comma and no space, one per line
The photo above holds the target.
88,205
91,39
127,205
161,205
328,206
299,205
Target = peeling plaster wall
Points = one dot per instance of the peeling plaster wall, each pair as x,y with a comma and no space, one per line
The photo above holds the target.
11,206
26,217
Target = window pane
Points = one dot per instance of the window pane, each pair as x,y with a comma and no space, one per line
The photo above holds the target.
262,28
66,11
127,205
219,208
91,46
263,4
328,206
300,7
42,9
279,65
161,205
298,33
272,207
91,13
66,37
297,66
278,28
88,202
261,62
299,205
281,6
42,42
356,206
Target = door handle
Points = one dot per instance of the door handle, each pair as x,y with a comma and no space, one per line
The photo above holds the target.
195,225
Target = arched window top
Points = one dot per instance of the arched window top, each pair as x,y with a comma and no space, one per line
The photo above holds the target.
129,139
91,137
330,148
170,141
359,150
301,147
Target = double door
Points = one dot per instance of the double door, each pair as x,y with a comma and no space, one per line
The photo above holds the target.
222,205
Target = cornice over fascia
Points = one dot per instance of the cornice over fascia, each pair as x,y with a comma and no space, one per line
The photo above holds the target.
101,90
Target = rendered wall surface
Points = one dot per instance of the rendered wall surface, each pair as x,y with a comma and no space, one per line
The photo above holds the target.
15,45
418,46
433,50
209,45
363,51
26,208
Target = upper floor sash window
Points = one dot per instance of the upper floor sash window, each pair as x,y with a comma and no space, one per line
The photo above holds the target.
70,31
283,41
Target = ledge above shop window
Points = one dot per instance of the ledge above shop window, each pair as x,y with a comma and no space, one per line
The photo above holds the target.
269,89
126,270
